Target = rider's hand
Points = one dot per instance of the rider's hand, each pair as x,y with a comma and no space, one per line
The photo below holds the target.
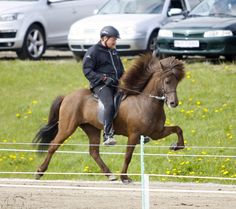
109,81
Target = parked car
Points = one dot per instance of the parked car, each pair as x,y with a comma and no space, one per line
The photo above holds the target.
209,30
138,22
29,26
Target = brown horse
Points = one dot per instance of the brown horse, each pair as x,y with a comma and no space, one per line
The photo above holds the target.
141,113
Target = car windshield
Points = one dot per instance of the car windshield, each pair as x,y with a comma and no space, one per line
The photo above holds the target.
215,8
132,7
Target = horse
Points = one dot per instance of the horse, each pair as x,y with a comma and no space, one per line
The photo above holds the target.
147,81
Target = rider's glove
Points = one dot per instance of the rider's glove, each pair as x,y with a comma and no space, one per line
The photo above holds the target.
109,81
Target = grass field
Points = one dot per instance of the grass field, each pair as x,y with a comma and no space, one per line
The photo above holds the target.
207,115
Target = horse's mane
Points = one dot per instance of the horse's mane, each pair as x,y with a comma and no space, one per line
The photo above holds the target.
137,76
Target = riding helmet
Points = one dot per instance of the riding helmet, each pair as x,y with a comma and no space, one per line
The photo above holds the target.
109,31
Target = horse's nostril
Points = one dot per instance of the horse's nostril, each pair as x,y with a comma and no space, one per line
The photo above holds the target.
173,104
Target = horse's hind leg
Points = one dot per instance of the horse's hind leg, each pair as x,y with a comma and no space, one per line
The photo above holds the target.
132,141
62,135
94,142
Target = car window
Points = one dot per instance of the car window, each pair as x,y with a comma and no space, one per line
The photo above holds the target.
132,7
215,8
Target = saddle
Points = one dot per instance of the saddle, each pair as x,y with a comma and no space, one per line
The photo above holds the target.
118,98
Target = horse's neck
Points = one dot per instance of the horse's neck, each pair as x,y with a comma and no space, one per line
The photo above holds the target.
153,87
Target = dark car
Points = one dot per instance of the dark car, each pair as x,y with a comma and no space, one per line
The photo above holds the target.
208,30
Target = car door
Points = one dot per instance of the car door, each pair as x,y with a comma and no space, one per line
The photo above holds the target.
59,16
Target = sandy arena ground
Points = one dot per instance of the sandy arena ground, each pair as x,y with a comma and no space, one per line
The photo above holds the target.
43,194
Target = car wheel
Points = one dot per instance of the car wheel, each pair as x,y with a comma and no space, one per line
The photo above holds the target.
34,44
152,42
230,58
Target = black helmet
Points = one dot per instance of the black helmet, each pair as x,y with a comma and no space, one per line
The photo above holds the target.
109,31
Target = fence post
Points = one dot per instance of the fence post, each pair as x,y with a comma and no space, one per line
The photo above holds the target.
144,178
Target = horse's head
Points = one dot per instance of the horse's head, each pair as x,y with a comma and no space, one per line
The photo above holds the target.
173,72
155,77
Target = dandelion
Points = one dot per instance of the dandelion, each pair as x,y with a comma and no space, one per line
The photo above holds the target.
191,173
168,172
198,103
225,105
205,110
18,115
29,112
229,136
225,172
227,160
31,159
34,102
86,169
180,102
193,131
182,110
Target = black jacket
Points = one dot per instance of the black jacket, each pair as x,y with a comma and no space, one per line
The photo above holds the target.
99,61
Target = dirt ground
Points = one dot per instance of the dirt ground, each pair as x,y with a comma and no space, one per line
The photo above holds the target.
44,194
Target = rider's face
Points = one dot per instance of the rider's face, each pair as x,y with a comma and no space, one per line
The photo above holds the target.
110,42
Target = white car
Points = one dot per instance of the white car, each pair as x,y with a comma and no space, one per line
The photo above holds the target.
29,26
138,22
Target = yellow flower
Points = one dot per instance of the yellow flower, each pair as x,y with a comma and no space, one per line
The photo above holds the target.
86,169
34,102
226,172
29,112
205,110
193,131
198,103
18,115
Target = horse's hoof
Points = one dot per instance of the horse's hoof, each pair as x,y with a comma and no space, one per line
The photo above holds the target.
176,147
38,175
112,178
127,181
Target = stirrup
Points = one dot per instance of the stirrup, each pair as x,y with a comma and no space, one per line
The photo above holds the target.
109,140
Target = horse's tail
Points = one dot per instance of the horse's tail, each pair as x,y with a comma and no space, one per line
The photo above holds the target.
48,132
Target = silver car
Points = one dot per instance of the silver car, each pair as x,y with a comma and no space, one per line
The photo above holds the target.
138,22
29,26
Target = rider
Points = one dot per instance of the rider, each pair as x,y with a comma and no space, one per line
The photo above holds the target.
103,68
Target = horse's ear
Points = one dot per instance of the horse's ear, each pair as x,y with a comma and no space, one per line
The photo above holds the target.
167,62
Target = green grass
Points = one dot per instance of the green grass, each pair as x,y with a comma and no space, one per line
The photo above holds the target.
206,114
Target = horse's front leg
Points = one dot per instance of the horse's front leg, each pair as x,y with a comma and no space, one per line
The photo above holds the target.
132,141
166,131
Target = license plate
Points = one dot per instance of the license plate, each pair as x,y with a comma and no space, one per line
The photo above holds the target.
186,44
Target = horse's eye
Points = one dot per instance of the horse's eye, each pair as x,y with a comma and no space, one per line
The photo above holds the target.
167,81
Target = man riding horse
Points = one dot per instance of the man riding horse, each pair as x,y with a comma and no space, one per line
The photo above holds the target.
103,68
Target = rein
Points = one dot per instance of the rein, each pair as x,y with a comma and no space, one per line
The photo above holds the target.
161,98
